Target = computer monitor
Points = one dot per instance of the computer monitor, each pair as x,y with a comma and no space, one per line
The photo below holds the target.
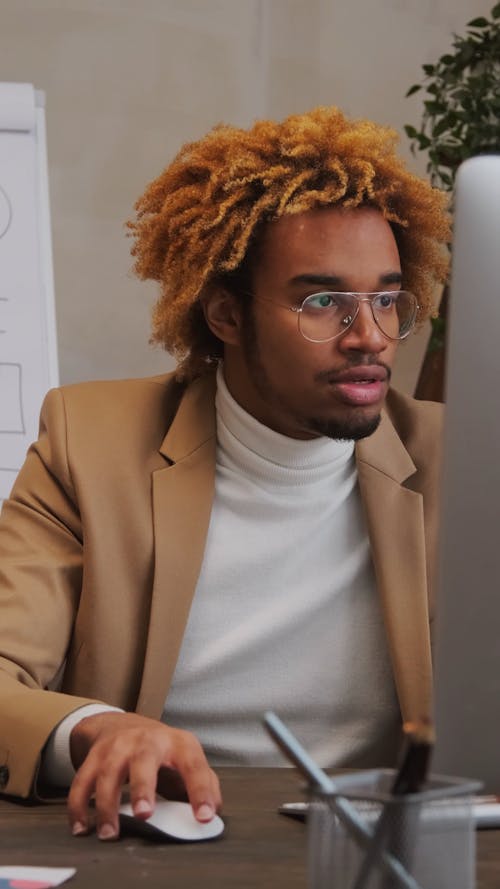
467,632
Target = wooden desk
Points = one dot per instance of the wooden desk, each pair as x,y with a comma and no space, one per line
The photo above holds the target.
259,849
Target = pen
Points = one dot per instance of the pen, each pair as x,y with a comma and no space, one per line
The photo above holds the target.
485,812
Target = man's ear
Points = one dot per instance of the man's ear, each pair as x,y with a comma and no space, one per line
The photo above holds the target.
223,315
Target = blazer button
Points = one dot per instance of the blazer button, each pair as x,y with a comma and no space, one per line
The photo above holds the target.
4,776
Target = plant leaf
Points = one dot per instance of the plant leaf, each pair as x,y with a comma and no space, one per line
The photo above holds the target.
440,127
423,141
446,179
434,107
413,89
478,23
410,131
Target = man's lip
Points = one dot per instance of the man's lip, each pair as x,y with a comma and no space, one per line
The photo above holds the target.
367,373
360,392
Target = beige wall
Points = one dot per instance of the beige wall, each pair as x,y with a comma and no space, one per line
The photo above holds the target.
128,81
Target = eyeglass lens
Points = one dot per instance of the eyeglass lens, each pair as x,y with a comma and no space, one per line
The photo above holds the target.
326,315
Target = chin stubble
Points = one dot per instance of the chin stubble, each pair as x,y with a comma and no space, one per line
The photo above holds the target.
352,430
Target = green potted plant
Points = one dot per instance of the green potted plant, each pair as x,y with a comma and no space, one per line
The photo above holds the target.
461,118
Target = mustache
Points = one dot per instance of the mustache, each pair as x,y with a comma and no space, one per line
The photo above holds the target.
333,375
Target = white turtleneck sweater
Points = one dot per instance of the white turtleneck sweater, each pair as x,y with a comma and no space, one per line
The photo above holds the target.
285,614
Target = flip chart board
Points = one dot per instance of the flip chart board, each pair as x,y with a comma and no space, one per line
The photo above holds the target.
28,350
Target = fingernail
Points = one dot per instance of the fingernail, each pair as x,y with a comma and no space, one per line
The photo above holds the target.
205,812
143,807
106,832
78,829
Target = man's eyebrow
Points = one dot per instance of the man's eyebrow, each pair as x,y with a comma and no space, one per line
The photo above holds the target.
391,278
336,281
330,280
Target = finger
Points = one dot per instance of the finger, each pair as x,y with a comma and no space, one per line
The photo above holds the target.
171,786
111,776
82,788
198,778
205,812
143,774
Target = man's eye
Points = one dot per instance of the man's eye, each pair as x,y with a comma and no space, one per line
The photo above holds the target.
321,301
386,300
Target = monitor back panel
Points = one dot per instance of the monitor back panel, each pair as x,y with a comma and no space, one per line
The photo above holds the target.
467,632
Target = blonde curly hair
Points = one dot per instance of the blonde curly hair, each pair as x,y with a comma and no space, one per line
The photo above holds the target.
197,223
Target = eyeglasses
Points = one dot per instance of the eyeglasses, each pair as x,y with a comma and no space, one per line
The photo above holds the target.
324,316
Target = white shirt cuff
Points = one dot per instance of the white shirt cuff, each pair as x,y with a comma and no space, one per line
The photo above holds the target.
56,768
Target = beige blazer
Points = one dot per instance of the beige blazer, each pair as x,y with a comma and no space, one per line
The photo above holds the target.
102,541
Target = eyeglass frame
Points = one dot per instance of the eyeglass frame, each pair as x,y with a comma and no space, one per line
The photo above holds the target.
360,297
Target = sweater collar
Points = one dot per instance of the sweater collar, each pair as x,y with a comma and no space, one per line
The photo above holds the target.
237,428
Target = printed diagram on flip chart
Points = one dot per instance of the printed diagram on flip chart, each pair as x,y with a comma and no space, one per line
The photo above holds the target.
5,212
11,398
11,391
28,358
5,220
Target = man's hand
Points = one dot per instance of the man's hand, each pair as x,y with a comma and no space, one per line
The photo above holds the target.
109,749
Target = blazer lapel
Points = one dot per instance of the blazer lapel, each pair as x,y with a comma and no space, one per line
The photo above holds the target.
396,529
182,503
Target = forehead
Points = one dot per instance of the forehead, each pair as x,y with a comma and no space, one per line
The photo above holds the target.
332,240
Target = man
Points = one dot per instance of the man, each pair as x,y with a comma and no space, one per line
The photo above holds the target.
196,548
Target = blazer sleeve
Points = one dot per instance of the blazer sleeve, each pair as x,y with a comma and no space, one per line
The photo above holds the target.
40,583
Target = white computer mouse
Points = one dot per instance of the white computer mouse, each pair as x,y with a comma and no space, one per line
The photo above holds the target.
175,820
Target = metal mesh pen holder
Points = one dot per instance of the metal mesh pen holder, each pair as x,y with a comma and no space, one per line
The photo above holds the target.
362,837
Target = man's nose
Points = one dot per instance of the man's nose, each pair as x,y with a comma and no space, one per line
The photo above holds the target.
364,335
